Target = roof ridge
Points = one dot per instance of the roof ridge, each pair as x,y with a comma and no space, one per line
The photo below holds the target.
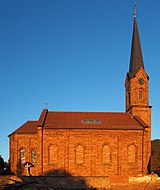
83,112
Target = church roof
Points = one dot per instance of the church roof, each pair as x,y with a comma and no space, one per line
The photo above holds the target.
90,120
136,58
28,127
83,120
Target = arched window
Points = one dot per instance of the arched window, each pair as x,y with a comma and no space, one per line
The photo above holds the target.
79,155
22,156
53,154
106,154
34,157
141,94
132,154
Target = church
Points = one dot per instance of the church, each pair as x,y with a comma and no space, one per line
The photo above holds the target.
95,144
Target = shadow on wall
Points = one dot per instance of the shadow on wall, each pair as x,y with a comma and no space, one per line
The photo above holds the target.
20,169
149,165
63,179
57,173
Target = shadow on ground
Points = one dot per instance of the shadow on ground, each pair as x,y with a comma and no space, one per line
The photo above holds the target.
52,180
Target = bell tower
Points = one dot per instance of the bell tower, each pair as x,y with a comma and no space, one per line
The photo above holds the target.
136,84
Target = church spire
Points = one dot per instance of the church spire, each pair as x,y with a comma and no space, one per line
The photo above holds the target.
136,59
136,84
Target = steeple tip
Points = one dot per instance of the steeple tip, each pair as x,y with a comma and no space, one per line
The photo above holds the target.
135,13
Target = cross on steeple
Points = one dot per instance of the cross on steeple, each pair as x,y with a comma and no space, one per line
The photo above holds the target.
46,105
134,9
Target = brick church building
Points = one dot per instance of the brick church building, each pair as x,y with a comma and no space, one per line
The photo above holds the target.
92,144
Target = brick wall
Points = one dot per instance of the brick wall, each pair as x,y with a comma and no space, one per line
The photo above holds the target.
81,152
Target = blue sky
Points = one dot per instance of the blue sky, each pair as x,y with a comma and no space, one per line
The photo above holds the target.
73,54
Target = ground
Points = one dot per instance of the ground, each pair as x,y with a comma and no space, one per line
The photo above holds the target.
15,183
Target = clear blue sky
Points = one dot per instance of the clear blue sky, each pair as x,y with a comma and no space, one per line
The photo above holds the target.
73,54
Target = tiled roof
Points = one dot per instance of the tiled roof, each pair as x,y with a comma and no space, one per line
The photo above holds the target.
28,127
92,120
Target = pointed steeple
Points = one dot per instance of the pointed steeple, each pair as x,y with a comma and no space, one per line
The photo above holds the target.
136,59
136,84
